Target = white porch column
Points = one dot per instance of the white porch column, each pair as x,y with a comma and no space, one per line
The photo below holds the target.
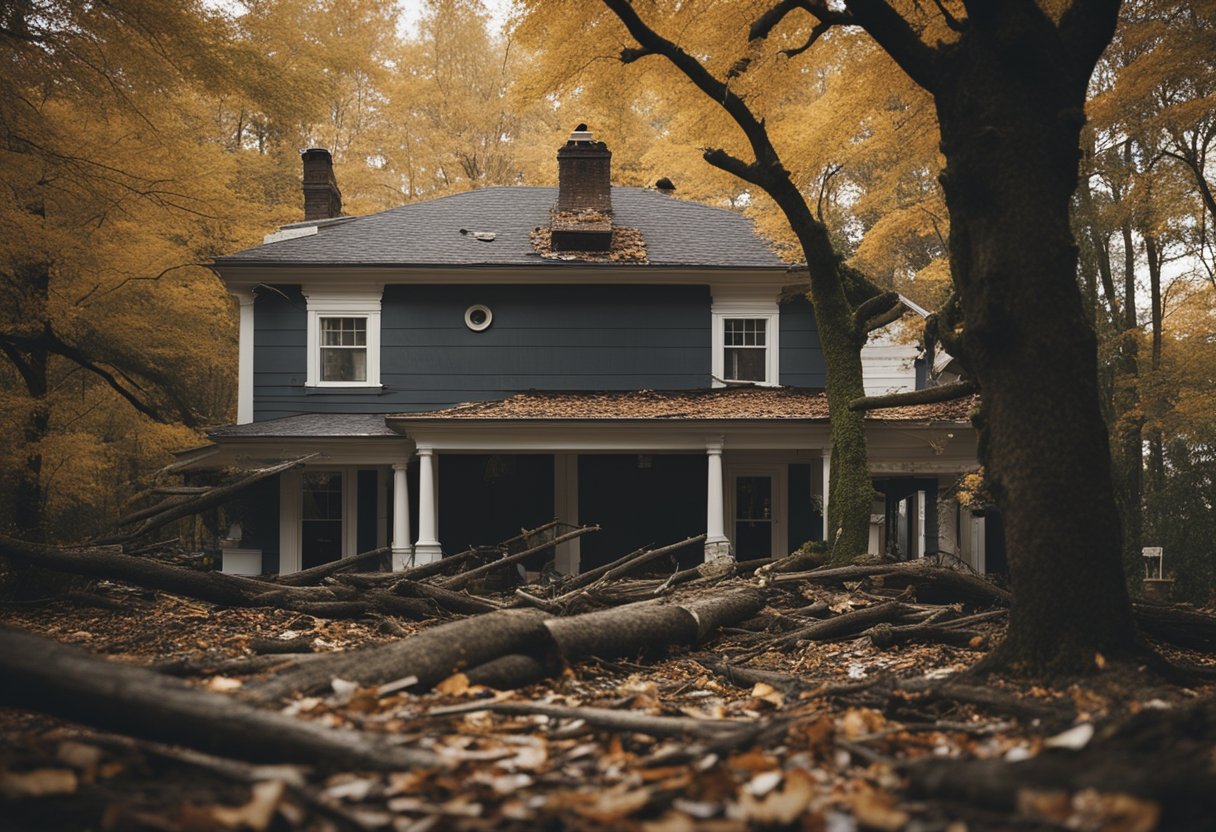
244,384
717,545
428,549
827,489
565,508
402,550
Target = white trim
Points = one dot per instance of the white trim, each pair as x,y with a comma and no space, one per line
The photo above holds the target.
769,311
353,302
779,474
244,384
291,496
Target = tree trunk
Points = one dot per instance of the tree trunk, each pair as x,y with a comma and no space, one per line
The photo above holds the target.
1010,102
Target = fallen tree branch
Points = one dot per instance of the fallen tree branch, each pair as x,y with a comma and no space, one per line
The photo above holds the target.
44,676
929,395
314,575
714,730
213,497
461,580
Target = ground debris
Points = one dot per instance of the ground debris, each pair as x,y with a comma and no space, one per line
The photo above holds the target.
759,727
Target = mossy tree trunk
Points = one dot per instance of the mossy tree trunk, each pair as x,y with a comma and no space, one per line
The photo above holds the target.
1010,99
1009,90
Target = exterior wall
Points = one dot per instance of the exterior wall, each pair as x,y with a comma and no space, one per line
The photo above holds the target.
565,337
801,359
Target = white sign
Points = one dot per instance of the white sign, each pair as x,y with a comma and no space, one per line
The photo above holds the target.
1151,552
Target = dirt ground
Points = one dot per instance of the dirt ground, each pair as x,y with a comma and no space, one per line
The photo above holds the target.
839,738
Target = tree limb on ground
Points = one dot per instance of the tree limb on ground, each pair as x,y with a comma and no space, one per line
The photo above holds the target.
45,676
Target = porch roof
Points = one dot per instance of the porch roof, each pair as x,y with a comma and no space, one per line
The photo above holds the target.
745,403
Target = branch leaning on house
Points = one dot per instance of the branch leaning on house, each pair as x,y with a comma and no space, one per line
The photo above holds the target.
929,395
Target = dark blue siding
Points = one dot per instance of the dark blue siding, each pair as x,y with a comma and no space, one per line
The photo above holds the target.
801,358
542,337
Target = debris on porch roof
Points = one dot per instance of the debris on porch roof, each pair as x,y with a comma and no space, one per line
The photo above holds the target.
742,403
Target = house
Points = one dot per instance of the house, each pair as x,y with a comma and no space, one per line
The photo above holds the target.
470,365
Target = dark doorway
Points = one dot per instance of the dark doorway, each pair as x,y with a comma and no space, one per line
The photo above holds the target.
753,517
321,520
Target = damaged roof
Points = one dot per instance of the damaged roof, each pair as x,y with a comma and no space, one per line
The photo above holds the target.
676,233
309,426
728,403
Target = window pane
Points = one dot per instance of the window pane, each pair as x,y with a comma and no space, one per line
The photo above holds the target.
745,332
745,364
344,332
339,364
322,495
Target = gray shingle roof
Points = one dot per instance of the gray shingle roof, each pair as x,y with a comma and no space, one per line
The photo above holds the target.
309,426
677,233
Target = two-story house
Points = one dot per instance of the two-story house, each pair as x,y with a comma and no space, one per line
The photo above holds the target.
475,364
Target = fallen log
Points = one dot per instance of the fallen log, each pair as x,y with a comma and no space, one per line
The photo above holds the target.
456,602
44,676
883,636
472,643
431,655
461,580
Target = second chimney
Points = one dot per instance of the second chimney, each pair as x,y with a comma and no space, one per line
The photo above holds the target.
322,199
582,219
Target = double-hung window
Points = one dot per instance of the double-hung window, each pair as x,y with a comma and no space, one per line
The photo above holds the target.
343,338
343,349
745,356
745,343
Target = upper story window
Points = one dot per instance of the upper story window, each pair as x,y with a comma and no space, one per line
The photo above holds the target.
343,338
344,349
745,350
745,343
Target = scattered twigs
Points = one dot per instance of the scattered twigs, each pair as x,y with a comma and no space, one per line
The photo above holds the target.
175,508
931,582
626,721
884,636
841,625
461,580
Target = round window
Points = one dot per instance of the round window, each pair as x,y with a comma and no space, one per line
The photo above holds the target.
478,317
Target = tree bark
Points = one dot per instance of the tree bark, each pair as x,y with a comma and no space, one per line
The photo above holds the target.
1010,97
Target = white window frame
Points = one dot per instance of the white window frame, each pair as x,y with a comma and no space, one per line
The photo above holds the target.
758,310
363,304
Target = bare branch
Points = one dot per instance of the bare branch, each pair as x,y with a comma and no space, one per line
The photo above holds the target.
929,395
768,21
897,38
872,308
953,22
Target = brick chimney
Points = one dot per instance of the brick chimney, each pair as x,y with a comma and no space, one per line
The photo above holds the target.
322,199
582,219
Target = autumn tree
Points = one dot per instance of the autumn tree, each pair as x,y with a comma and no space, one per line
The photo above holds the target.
113,335
848,305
